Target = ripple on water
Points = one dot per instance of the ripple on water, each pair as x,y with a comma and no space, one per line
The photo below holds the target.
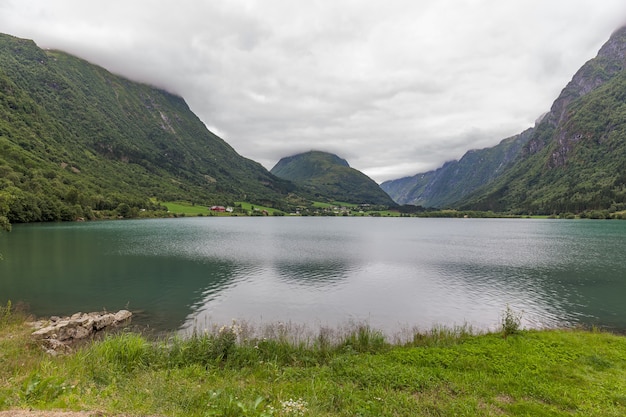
385,271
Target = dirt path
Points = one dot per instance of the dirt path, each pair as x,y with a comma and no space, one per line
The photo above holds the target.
27,413
33,413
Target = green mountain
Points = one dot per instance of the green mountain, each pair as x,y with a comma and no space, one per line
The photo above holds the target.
445,186
75,138
573,160
329,177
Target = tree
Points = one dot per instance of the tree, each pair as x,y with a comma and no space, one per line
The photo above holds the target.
4,224
4,209
123,210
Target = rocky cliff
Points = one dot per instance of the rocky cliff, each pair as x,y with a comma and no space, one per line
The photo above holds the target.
573,160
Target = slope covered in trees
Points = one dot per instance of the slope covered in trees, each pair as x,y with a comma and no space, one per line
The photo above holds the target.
75,139
573,160
445,186
327,176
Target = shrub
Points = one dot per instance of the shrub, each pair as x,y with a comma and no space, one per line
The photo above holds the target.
511,322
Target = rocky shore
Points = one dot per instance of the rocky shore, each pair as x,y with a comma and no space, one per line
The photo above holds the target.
57,334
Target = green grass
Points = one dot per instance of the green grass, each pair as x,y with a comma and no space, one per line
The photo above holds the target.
319,204
383,213
278,370
251,208
188,209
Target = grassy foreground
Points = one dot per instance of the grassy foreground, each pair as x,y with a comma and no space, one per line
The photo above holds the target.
231,372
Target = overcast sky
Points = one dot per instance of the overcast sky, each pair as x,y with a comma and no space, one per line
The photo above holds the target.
394,87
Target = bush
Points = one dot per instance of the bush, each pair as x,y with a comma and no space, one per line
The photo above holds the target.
511,322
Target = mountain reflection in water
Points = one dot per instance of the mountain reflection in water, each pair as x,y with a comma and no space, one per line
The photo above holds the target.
389,272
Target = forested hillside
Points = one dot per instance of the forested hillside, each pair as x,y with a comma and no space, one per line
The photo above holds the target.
76,139
572,161
329,177
575,161
445,186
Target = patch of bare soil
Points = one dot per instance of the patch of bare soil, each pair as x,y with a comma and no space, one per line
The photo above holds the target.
29,413
33,413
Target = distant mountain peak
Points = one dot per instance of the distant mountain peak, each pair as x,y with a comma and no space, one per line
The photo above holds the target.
78,139
322,155
572,160
328,176
610,60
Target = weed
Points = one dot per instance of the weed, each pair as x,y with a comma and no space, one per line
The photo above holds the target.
511,322
365,339
233,406
183,352
226,340
441,336
37,389
119,354
5,314
12,314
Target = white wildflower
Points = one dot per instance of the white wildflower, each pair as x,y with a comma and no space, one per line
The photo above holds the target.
293,407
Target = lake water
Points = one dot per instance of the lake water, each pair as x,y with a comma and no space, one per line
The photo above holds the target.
392,273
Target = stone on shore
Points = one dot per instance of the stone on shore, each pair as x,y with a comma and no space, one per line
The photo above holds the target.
59,332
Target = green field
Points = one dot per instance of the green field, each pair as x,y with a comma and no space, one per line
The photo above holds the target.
319,204
251,208
188,209
277,370
355,209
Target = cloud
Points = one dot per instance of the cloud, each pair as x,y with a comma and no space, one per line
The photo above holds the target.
396,87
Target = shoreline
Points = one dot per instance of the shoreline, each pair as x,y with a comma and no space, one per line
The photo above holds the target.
525,372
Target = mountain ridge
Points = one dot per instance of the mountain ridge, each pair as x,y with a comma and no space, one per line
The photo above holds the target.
444,186
75,139
571,160
577,156
326,175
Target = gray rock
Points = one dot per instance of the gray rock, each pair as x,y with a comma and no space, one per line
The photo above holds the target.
102,321
122,316
58,333
45,332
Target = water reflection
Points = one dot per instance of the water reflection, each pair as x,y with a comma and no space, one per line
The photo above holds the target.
491,287
314,274
390,272
70,269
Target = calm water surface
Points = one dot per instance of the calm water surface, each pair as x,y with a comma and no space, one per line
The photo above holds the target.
390,272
